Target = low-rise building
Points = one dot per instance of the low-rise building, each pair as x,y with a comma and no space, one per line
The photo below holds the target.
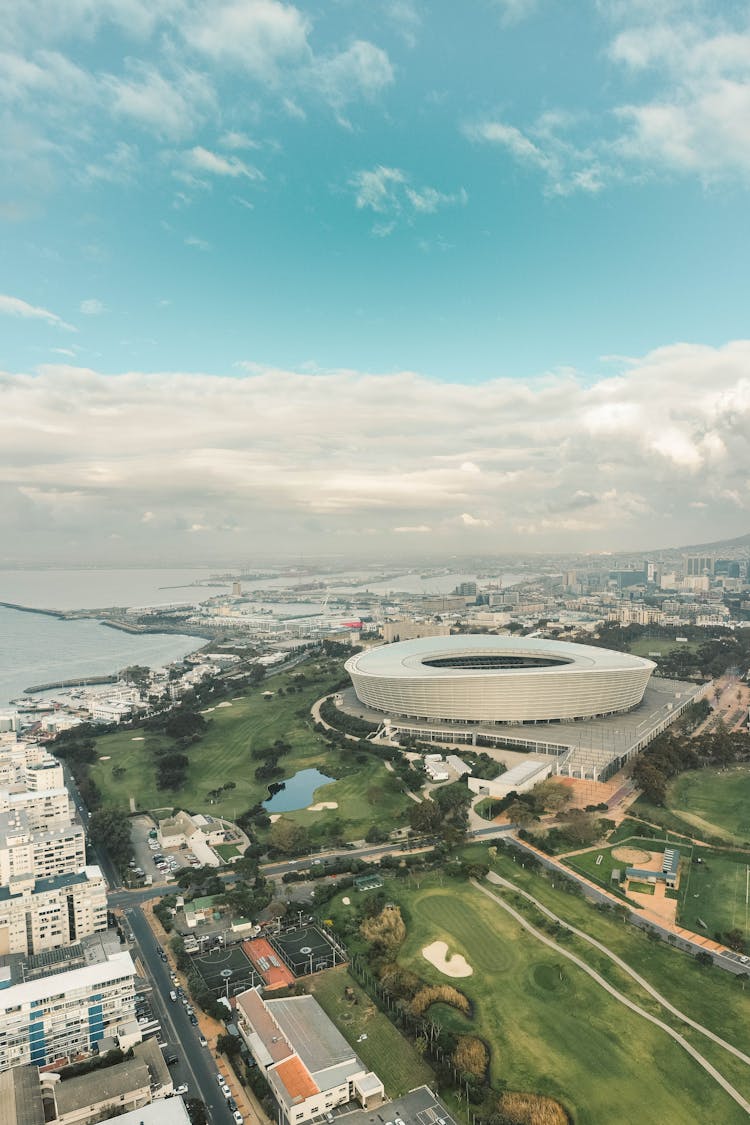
519,779
308,1064
124,1086
41,914
57,1007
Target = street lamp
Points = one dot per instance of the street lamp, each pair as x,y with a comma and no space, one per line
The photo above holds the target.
226,974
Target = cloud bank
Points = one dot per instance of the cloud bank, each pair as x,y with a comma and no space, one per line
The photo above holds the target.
273,460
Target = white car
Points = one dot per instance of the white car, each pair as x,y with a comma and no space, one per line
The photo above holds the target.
220,1079
181,1089
238,1117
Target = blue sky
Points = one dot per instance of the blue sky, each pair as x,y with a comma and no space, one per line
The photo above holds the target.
492,195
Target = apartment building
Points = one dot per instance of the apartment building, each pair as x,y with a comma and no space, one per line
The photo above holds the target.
37,915
42,853
58,1007
45,808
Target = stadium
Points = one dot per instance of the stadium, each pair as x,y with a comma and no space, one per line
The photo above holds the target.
489,679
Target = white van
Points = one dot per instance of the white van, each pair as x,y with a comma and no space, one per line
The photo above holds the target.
173,996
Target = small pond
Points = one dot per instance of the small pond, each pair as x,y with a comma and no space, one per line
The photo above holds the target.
297,792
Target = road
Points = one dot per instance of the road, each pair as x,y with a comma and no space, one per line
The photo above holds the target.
195,1066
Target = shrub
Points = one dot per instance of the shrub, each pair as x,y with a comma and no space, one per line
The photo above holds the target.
386,930
439,994
471,1056
530,1109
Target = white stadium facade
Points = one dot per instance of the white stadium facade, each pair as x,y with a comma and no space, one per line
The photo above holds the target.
488,679
591,708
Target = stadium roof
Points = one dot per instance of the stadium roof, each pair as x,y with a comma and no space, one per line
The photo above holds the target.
435,657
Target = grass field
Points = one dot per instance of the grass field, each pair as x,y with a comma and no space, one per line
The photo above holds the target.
601,872
716,892
644,646
714,802
223,754
552,1029
384,1050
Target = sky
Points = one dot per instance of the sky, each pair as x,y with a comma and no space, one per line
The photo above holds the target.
379,278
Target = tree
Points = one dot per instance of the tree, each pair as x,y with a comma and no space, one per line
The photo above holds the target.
288,837
228,1045
704,959
109,828
196,1111
426,817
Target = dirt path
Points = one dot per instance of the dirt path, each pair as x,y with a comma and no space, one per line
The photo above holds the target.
680,1039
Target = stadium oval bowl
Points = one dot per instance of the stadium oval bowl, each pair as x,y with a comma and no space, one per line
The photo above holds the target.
479,679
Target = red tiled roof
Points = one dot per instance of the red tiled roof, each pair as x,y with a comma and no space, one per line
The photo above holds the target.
297,1079
273,976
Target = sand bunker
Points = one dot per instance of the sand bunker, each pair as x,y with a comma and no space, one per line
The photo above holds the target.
321,805
138,738
631,855
105,758
208,711
453,966
274,817
346,900
225,703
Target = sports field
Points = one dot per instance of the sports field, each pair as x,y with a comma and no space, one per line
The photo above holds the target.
305,949
716,802
716,892
599,863
644,646
223,754
553,1030
212,965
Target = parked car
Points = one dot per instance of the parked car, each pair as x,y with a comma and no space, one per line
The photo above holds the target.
203,1041
194,1021
183,1089
238,1117
220,1079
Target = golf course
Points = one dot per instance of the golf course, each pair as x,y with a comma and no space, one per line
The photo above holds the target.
555,1031
361,792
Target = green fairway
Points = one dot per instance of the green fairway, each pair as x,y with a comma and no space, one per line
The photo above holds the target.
715,895
645,646
715,802
384,1050
552,1029
223,755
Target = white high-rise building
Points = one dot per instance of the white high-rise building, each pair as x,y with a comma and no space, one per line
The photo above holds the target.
37,915
41,853
45,808
80,998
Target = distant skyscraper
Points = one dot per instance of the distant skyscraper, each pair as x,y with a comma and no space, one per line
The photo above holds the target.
698,565
236,589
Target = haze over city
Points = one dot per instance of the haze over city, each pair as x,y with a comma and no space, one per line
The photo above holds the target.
395,278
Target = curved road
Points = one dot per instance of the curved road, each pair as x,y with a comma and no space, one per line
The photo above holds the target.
562,952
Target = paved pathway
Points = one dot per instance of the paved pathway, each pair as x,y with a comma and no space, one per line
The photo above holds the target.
500,881
562,952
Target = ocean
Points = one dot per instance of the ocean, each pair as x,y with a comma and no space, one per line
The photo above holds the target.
37,649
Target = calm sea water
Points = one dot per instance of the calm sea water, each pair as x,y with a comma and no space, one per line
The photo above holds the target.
35,649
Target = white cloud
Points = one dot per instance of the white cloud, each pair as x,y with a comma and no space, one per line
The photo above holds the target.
361,70
513,11
206,161
197,243
257,36
571,462
388,192
14,306
93,307
169,106
567,167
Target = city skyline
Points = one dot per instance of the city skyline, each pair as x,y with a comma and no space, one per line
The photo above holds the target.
398,279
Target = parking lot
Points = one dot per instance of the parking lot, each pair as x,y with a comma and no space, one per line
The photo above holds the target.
146,850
